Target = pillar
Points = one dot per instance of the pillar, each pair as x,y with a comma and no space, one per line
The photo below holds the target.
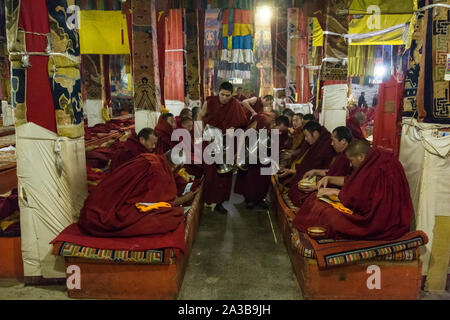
147,96
192,57
46,96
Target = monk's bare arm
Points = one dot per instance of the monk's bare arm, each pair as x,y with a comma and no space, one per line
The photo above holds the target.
325,181
247,103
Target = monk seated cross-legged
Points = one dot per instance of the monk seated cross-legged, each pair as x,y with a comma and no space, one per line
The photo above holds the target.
135,145
139,198
373,204
341,137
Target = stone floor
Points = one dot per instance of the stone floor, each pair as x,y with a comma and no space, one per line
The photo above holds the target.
235,256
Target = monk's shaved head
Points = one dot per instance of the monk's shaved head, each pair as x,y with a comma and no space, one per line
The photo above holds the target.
358,147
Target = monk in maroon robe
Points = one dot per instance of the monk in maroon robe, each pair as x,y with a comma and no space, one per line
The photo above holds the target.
185,113
299,145
340,139
318,156
110,210
282,124
354,126
135,145
377,193
251,183
239,94
164,128
259,104
223,112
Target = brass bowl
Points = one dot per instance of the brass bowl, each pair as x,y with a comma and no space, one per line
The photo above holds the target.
316,232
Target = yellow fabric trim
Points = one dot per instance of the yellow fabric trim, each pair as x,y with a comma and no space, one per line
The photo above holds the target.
154,206
296,162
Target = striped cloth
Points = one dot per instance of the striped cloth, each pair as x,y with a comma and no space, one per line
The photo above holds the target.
162,256
237,36
329,252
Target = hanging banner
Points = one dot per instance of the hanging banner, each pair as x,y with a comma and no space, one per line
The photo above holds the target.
103,32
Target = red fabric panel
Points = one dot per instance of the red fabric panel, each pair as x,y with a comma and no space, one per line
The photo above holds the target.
387,126
174,79
74,234
40,109
161,36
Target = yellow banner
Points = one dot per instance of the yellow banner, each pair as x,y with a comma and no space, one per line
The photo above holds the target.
383,7
103,32
376,26
318,34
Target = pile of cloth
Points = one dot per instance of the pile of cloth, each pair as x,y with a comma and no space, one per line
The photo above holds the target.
9,215
100,129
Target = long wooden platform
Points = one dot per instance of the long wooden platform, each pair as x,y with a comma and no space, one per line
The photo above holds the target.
400,280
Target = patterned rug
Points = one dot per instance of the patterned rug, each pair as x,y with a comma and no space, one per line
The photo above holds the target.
162,256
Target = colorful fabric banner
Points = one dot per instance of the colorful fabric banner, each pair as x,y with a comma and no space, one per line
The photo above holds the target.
212,33
103,32
237,36
54,102
147,95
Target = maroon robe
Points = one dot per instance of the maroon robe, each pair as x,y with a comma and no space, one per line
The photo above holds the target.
258,106
355,129
378,194
251,183
340,167
218,186
164,131
110,211
131,149
241,97
318,156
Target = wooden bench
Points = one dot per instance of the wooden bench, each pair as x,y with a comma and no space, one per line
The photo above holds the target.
116,280
400,280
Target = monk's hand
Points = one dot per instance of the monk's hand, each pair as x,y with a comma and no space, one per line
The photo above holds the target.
309,189
321,173
286,173
328,192
310,173
323,183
